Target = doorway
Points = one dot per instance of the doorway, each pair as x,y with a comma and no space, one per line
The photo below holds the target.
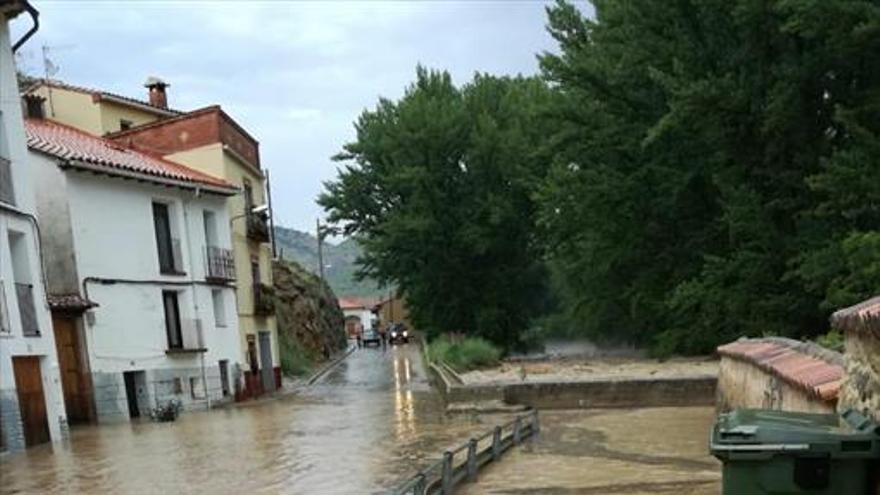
224,376
134,411
31,400
266,370
75,381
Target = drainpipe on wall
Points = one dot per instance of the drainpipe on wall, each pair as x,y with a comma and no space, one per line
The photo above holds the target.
195,300
35,15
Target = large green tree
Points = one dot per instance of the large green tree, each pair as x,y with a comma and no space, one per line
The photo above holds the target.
697,139
438,187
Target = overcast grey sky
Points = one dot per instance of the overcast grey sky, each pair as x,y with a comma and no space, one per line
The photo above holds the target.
296,75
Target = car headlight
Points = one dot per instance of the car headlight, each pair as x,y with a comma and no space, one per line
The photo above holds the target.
404,333
393,334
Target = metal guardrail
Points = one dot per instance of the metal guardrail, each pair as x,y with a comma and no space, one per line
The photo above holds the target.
453,469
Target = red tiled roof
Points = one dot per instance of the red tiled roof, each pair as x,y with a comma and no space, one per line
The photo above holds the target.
816,371
73,145
69,302
124,100
862,316
355,303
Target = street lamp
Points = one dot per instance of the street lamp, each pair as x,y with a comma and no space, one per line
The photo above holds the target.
256,210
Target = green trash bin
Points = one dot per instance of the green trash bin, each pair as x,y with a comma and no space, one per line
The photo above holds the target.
776,452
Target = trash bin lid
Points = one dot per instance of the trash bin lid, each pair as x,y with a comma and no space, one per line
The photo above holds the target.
756,430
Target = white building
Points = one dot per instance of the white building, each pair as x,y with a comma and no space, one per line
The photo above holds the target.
137,251
358,314
31,406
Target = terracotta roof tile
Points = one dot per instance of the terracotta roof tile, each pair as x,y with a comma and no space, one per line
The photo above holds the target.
69,302
71,144
796,363
864,316
355,303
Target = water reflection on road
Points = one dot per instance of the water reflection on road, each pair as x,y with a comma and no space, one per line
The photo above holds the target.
369,422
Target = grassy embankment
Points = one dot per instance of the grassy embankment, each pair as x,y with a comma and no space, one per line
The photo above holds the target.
464,354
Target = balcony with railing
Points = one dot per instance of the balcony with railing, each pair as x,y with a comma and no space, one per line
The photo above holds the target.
264,300
7,192
27,309
257,227
220,264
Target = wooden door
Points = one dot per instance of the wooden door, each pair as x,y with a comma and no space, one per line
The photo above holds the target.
74,379
31,401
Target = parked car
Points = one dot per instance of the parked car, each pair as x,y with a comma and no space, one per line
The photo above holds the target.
398,334
371,336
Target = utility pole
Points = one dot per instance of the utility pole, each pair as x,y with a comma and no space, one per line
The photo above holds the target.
320,250
271,215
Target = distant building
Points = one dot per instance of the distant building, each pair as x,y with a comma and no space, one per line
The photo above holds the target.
140,270
358,314
391,310
210,141
31,404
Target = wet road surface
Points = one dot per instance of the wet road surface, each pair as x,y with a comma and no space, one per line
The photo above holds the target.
634,451
369,422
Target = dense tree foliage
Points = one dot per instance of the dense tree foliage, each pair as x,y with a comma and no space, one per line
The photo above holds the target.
438,188
717,171
695,171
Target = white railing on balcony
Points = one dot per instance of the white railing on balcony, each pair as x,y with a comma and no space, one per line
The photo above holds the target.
220,264
27,309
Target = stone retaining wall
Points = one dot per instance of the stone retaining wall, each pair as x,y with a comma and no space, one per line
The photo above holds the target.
626,392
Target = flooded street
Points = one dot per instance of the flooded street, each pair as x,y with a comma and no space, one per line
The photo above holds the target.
368,422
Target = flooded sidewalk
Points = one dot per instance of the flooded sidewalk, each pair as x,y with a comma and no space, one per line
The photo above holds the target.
632,451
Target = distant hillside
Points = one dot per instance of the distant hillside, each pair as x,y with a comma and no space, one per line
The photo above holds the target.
339,266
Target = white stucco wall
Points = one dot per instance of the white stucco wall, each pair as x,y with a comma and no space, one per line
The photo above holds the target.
112,224
107,223
14,343
364,314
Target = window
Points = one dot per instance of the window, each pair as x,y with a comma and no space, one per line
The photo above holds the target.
165,243
210,221
248,196
219,308
125,125
255,271
4,312
172,319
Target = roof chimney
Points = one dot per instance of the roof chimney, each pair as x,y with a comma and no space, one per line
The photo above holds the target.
156,86
33,106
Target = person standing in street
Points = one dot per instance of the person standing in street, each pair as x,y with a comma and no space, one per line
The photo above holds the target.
383,334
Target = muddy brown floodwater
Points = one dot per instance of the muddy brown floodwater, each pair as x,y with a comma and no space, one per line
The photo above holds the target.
370,422
633,451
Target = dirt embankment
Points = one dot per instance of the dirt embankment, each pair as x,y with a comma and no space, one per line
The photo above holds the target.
310,323
579,369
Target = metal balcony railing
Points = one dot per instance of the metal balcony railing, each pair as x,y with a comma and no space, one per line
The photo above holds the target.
257,227
27,310
220,264
7,192
264,300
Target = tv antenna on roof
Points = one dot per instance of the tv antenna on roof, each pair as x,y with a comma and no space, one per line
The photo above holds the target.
50,69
